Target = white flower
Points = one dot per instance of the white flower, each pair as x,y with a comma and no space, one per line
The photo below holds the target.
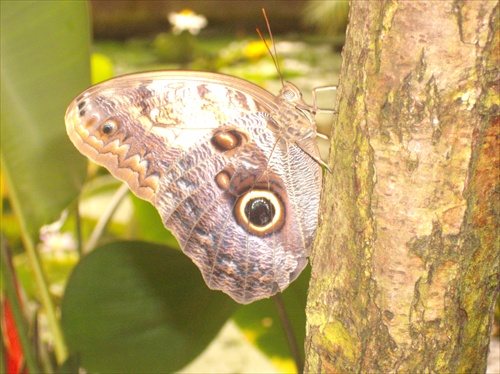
187,20
53,241
57,242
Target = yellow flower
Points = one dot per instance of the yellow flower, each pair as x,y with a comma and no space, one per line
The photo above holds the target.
255,50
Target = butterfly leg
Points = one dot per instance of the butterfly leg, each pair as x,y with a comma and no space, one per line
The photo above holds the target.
323,88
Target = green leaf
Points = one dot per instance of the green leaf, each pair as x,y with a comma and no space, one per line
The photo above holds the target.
44,65
148,225
139,307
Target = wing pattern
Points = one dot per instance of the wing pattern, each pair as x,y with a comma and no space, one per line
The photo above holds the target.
227,164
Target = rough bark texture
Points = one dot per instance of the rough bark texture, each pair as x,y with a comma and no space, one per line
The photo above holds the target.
406,266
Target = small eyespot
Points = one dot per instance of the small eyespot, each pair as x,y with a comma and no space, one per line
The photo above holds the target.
83,107
228,140
223,179
82,104
109,127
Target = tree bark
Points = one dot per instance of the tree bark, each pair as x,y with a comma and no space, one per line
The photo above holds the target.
405,272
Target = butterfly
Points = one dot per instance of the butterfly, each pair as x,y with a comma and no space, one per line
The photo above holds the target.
233,170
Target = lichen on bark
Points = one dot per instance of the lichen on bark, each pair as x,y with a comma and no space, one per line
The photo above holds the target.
405,268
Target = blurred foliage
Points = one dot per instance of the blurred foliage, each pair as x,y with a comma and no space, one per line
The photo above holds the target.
175,48
330,17
117,270
44,64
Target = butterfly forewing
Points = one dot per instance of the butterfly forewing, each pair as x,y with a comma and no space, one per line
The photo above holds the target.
230,174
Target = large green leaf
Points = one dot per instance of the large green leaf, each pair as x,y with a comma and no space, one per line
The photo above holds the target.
138,307
44,64
148,225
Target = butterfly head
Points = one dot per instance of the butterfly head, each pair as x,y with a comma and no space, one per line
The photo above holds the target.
290,93
291,96
296,116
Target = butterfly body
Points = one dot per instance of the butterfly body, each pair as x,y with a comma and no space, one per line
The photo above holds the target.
230,167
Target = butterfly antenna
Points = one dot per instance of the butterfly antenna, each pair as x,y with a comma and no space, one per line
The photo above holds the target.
274,55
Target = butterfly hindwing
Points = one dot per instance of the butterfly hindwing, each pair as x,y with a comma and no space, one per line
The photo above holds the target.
213,155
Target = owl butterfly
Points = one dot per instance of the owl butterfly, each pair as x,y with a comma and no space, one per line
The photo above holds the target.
233,170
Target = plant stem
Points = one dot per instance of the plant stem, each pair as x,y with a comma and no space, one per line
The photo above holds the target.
105,217
60,348
78,227
27,236
290,336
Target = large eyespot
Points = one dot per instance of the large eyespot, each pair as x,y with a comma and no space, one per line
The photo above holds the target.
109,127
260,212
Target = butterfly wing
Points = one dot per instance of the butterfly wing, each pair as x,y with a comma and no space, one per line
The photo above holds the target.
208,151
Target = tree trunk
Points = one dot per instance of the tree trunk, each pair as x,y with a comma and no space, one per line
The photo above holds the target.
405,272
